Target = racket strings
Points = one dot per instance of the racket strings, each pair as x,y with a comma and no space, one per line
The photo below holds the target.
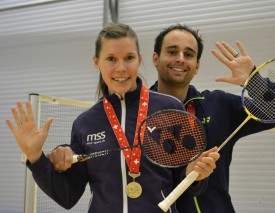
259,95
171,140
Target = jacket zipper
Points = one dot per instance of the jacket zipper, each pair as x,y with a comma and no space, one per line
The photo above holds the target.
122,158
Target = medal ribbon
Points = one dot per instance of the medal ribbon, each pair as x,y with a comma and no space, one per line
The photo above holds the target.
132,156
191,109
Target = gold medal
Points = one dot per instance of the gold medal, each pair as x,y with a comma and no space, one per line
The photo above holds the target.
133,189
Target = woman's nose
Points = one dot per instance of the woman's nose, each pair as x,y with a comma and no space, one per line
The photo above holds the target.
121,67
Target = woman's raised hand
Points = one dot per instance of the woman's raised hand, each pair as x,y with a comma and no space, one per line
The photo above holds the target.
28,137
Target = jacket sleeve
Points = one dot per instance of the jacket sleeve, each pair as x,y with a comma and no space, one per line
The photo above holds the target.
65,188
198,187
238,115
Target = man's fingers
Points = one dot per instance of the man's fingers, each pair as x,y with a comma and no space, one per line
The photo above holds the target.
221,58
230,49
214,155
224,79
242,49
214,149
207,164
226,50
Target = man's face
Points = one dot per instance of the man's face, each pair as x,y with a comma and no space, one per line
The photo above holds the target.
177,62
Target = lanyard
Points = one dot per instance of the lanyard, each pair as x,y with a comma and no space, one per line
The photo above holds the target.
132,156
191,109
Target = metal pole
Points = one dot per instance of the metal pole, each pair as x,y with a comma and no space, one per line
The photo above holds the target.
30,186
110,11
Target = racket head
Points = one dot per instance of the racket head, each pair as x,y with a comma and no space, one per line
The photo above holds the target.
258,94
172,138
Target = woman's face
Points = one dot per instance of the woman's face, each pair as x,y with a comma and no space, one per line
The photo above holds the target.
118,63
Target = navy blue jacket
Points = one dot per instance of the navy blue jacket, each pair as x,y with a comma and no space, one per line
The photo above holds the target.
108,175
221,113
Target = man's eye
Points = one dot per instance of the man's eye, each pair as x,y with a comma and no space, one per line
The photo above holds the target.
189,55
172,52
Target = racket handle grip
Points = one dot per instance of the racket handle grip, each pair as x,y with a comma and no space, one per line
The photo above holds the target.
174,195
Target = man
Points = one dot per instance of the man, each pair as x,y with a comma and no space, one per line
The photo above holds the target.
177,53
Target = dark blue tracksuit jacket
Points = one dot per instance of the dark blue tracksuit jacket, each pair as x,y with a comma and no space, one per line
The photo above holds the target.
108,175
221,113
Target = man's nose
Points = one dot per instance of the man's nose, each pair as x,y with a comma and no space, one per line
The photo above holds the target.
180,58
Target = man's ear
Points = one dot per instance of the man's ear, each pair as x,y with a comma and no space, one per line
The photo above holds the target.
155,59
198,67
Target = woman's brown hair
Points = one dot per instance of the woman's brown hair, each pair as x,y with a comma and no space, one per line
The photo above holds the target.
112,31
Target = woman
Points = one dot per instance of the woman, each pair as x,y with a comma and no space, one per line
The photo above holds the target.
117,57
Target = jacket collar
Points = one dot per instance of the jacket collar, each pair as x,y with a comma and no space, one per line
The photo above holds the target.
128,96
192,93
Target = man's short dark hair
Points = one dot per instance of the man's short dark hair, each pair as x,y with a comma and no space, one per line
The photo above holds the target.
159,39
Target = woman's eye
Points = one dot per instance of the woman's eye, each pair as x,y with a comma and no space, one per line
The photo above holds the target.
111,59
130,57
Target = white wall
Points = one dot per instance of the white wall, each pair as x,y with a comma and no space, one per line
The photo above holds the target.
48,48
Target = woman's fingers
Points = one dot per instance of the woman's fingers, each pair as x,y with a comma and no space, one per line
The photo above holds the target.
16,117
22,113
9,124
61,158
47,125
29,112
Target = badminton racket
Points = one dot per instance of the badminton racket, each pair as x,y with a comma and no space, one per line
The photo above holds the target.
258,100
171,138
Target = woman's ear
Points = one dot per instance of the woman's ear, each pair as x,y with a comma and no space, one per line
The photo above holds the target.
140,60
95,59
